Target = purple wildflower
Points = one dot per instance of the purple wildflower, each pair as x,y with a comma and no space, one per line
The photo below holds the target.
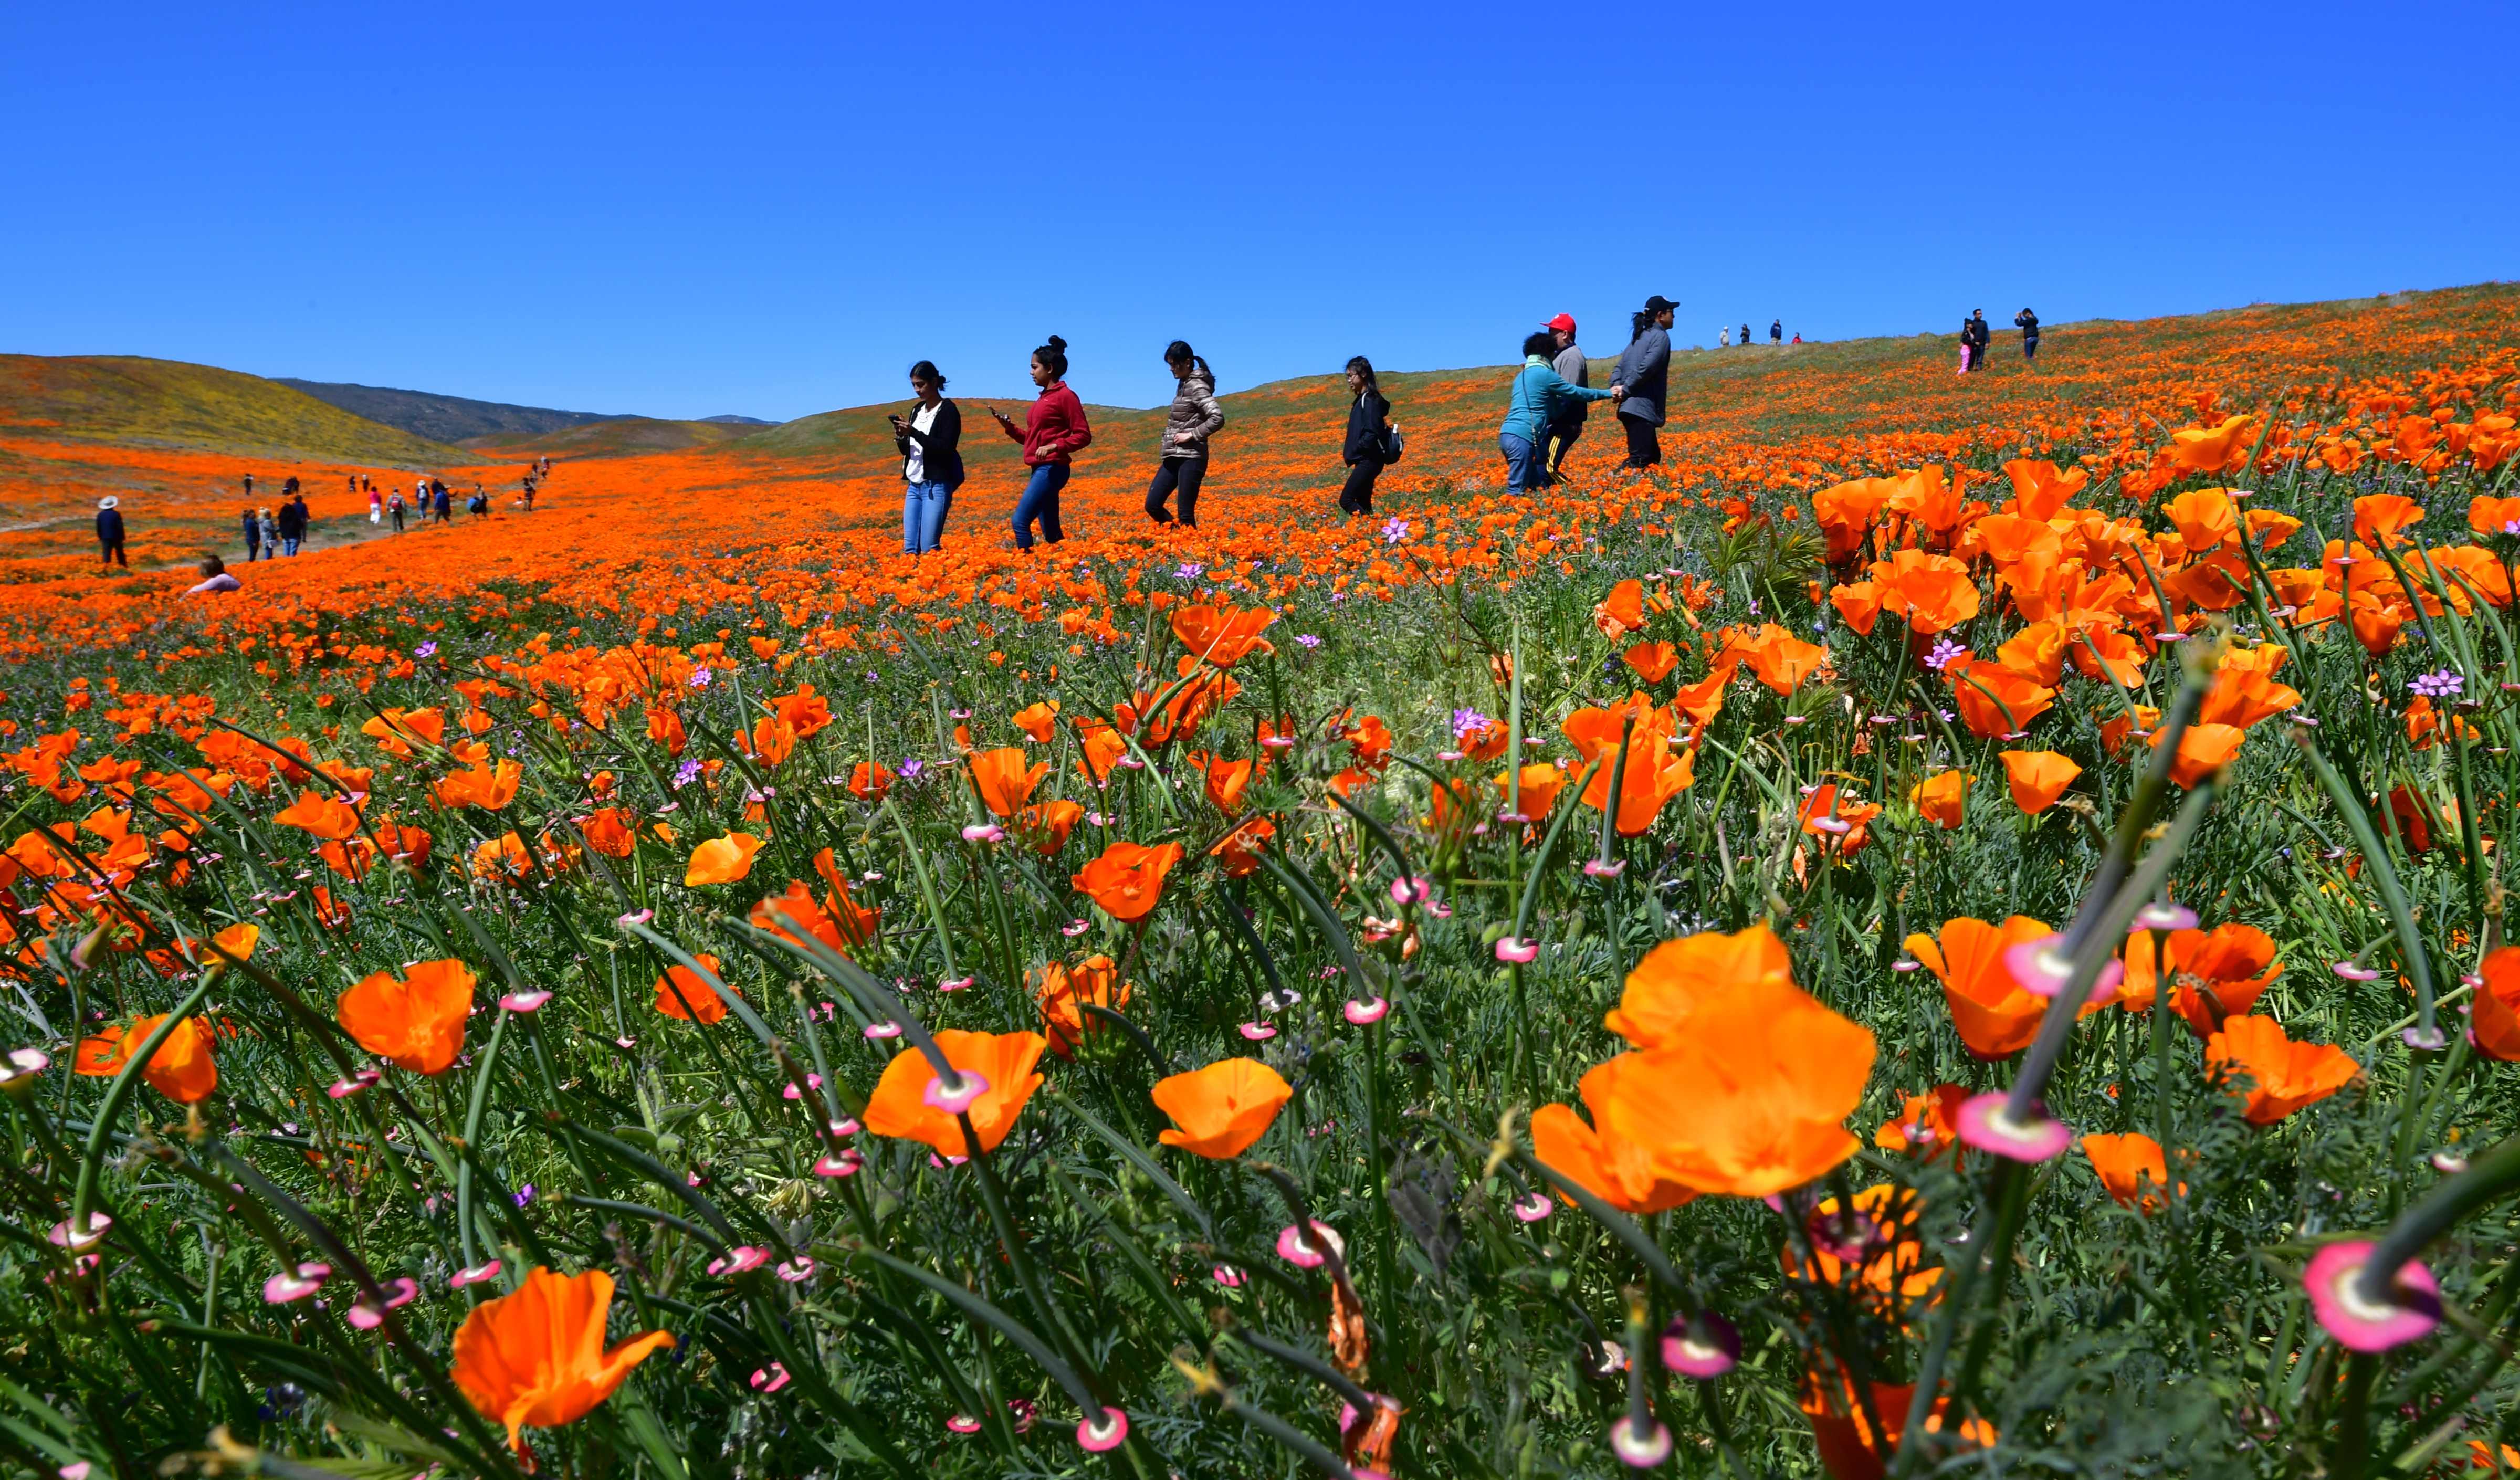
2441,683
1394,531
425,650
1307,640
1945,649
701,678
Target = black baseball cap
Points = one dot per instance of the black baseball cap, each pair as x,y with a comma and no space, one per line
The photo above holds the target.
1658,303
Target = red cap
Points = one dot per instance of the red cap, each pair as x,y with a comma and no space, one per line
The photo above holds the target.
1564,320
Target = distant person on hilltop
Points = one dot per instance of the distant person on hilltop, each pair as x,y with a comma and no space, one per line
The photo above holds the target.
1541,396
1193,418
2028,322
215,579
1777,332
1724,336
1566,424
930,443
1974,337
1054,432
253,535
249,485
1746,336
1372,441
1644,369
109,531
1798,335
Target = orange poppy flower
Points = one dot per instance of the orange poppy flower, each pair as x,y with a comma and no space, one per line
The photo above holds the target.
1223,1108
2285,1076
1927,1124
805,711
721,860
321,816
1995,701
2126,1163
1942,798
2244,689
1776,657
2206,517
2038,778
1877,1240
1064,992
2203,752
1046,825
1619,1171
608,831
1997,1018
1223,635
1004,780
869,780
1751,1100
1935,593
1652,661
1126,879
1621,612
536,1358
2202,449
898,1106
1704,699
489,787
182,1069
1541,785
2494,1019
1238,851
2379,519
1654,777
773,739
2038,489
681,993
1038,721
796,916
1839,822
1226,782
416,1020
2215,975
1844,1437
1677,977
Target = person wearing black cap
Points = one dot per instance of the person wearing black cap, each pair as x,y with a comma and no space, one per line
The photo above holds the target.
1644,369
1567,424
2028,322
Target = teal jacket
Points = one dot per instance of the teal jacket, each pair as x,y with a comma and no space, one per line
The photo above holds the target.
1540,393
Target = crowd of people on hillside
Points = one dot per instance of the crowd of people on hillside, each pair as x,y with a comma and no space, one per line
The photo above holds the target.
1976,334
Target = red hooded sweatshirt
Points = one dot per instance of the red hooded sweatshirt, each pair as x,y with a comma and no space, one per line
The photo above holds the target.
1054,428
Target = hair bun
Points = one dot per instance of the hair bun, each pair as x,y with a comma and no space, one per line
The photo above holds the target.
1057,344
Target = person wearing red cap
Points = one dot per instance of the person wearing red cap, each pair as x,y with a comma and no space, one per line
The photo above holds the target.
1568,423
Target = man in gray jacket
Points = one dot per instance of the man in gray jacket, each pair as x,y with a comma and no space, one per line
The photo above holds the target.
1644,369
1560,434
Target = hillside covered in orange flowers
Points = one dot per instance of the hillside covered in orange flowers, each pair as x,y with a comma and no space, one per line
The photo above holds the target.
808,511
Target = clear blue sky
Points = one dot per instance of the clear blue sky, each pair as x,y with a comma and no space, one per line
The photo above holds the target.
772,211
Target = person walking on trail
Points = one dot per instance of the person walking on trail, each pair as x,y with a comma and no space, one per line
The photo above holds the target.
1724,336
249,485
1193,418
1540,396
252,536
444,502
394,507
1054,432
930,443
215,579
1566,423
293,526
1776,331
1644,369
375,507
1372,437
109,532
2028,322
270,532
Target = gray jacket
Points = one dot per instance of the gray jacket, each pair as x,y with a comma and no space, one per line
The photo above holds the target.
1571,369
1193,417
1645,368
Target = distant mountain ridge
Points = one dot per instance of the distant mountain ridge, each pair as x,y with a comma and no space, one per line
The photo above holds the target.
444,418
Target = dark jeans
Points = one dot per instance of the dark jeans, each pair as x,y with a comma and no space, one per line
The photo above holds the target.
1555,441
1184,474
1040,501
2030,348
1644,440
112,555
1357,497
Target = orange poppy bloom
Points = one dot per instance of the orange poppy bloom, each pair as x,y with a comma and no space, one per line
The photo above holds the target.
1541,785
1619,1171
321,816
805,711
1776,657
898,1106
536,1358
2285,1076
2206,517
2215,975
1126,879
2379,519
1621,612
1238,851
2203,752
2038,778
1654,777
1046,825
1844,1437
797,916
2244,688
2126,1163
2494,1019
1004,780
1226,782
1038,721
1995,701
182,1069
773,739
1223,635
608,831
1652,661
1222,1108
1935,593
1927,1124
1704,699
416,1020
869,780
2039,490
1751,1100
1837,820
489,787
1942,797
2202,449
721,860
1064,992
1877,1240
1996,1017
681,993
1677,977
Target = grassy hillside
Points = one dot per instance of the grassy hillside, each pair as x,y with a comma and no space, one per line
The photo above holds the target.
613,436
167,403
443,417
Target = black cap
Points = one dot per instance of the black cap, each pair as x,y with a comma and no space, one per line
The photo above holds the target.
1658,303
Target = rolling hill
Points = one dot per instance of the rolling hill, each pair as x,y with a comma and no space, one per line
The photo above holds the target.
443,417
140,402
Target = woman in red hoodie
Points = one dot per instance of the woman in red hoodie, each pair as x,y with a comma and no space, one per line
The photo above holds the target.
1053,430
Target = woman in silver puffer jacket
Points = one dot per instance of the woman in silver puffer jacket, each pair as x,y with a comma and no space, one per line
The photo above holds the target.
1193,418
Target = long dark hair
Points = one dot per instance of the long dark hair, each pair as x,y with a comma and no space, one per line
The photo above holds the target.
926,370
1638,323
1053,357
1365,367
1179,350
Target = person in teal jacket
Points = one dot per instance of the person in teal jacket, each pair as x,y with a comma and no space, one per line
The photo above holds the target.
1540,394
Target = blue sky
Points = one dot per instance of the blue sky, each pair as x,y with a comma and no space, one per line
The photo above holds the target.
772,211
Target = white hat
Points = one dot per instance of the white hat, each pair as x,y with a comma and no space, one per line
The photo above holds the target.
107,502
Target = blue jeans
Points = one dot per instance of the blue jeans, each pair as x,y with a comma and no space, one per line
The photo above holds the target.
1523,469
923,507
1040,501
289,544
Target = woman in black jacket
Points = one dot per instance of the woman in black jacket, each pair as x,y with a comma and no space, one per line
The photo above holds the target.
1369,435
930,442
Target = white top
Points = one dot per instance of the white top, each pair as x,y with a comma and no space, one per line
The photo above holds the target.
924,418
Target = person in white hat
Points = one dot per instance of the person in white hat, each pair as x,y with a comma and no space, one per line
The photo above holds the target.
109,531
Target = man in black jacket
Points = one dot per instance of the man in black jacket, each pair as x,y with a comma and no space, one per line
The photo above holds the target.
109,531
292,525
2028,322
